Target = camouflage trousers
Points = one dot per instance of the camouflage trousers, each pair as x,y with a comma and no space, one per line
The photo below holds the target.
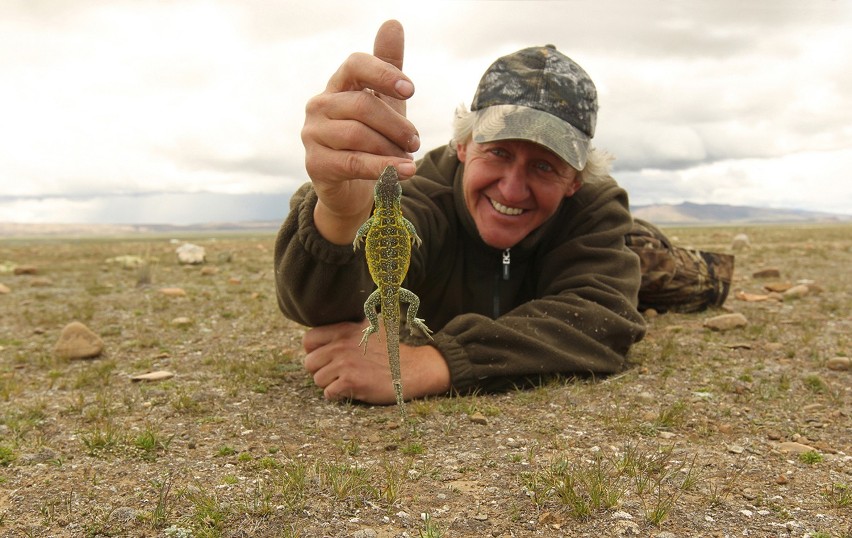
678,279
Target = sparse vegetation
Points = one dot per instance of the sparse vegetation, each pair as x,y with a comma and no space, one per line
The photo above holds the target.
240,442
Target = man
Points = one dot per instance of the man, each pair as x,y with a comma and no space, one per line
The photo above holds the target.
523,270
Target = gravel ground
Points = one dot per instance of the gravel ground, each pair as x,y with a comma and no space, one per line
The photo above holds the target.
739,432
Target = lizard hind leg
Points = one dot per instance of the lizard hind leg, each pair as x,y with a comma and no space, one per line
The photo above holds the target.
413,304
372,316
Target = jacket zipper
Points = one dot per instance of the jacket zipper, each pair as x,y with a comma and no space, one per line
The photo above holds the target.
507,261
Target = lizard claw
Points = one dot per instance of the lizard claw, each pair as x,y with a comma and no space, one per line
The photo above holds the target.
367,332
420,324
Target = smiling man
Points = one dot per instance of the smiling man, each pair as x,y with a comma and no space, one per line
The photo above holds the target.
523,271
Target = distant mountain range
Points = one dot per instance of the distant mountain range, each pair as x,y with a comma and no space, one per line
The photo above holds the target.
691,213
686,213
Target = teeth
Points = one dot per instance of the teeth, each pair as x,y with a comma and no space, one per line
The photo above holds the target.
506,210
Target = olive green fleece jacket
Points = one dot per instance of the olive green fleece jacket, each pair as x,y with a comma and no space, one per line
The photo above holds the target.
561,301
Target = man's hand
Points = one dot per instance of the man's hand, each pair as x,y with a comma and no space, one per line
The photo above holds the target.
355,128
345,371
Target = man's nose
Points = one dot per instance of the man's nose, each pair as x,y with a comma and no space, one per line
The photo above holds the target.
513,184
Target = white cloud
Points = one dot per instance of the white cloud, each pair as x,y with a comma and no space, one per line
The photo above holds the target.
714,99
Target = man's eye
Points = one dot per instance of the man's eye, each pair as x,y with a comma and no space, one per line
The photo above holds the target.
499,152
543,166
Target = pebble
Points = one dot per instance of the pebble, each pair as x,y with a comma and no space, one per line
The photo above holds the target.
626,527
365,533
725,427
796,292
189,254
209,270
478,418
752,297
158,375
4,289
767,272
41,282
839,364
76,341
182,322
127,261
173,292
795,448
26,270
777,287
740,242
726,322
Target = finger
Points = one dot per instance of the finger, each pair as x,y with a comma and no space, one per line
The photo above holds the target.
318,337
337,165
365,71
389,45
369,124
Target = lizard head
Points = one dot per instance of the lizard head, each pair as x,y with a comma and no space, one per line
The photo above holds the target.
388,184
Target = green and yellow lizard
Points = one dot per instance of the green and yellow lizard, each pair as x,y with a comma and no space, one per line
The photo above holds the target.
388,237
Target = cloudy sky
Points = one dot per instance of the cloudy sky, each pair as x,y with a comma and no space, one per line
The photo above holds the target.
133,111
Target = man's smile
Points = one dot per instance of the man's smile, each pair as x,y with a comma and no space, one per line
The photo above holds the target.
504,210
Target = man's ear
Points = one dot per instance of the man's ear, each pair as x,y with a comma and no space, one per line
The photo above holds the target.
573,187
461,151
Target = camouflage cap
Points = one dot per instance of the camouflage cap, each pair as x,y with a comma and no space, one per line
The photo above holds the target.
541,95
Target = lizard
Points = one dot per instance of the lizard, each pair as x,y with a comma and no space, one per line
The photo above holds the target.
388,238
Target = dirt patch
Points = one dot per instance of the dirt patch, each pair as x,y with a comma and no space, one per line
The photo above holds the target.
744,431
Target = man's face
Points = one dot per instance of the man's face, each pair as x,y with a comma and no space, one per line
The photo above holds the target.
511,187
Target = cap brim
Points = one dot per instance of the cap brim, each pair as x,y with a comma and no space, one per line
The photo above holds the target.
515,122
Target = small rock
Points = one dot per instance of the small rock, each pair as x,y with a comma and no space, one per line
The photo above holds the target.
365,533
76,341
735,449
795,448
159,375
667,435
650,313
209,270
41,282
182,322
726,322
189,254
796,292
740,242
625,527
777,287
747,513
725,427
173,292
26,270
4,289
123,515
478,418
767,272
234,280
839,364
127,261
751,297
781,479
480,517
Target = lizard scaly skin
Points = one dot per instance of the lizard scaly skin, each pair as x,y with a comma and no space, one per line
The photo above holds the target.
388,237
